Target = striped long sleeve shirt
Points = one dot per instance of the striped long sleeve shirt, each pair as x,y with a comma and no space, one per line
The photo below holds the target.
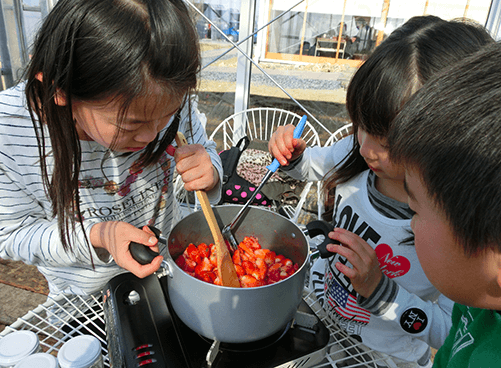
28,231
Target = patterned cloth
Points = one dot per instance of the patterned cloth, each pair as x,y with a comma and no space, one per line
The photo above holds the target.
252,166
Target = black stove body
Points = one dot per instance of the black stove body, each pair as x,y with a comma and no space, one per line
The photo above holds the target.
142,330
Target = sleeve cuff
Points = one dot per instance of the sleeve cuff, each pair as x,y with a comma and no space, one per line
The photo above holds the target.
382,297
100,255
292,164
215,193
103,255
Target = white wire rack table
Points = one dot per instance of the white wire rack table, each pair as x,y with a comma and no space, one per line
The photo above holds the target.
344,351
59,319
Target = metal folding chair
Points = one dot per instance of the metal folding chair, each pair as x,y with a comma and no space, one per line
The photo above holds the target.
259,124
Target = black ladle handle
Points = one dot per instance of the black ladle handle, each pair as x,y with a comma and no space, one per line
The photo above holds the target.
141,253
320,227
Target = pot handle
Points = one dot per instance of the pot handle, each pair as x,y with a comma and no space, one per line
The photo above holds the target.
144,255
320,227
141,253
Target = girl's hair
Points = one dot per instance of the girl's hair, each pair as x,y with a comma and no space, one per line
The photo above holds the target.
392,74
90,50
449,134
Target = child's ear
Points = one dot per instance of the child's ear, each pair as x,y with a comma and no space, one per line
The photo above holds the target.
60,97
499,270
499,278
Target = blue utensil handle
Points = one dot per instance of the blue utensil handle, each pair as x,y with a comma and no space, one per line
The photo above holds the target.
299,128
297,134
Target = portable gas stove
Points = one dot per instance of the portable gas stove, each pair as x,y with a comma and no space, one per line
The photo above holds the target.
143,330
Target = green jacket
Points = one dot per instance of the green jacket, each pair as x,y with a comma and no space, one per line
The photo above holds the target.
474,340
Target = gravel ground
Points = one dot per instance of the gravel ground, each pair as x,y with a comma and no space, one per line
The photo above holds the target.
286,81
319,88
321,76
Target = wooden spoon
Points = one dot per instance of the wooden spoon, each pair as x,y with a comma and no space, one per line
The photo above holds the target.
225,266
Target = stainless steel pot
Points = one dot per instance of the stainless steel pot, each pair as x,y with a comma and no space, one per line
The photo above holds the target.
235,315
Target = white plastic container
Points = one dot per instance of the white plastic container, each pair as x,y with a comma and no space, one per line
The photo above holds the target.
81,352
39,360
16,346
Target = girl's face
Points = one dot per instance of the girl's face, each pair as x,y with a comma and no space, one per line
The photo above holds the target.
375,153
146,117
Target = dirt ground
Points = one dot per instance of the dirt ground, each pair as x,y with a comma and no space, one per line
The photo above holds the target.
216,98
218,105
318,67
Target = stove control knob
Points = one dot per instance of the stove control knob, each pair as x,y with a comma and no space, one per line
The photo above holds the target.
133,298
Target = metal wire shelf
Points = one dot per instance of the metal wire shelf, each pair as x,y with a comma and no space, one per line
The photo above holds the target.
61,318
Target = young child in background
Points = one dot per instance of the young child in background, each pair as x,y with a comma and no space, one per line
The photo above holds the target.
373,285
83,139
449,139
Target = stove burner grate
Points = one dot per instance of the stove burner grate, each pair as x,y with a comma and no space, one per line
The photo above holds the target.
251,346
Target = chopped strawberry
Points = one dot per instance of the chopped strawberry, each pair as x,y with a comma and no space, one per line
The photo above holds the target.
249,281
240,270
203,250
204,266
261,253
193,253
190,265
249,267
181,261
270,258
261,269
213,256
209,277
279,258
217,281
236,257
255,266
274,273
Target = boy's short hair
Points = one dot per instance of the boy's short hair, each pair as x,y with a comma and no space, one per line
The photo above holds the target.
450,133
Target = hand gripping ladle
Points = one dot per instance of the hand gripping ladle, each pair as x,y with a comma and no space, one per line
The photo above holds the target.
227,230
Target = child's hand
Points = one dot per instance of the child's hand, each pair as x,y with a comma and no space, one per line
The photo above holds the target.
365,274
194,165
115,237
285,148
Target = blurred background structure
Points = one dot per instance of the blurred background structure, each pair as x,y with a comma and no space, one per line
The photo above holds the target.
298,54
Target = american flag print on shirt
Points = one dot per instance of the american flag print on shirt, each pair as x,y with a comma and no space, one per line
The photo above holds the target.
345,304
